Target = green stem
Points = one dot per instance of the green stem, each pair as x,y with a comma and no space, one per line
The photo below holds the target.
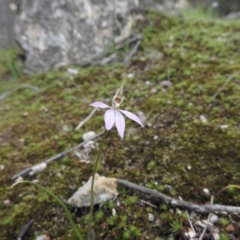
62,205
92,184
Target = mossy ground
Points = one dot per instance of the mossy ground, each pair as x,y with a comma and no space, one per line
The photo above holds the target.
174,148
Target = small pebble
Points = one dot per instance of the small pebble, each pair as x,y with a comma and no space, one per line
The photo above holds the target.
130,75
190,234
224,126
89,145
178,211
155,137
153,90
203,119
230,228
66,128
147,83
25,114
88,135
166,83
72,71
213,218
216,236
206,191
2,167
35,180
150,217
38,168
168,187
7,202
42,237
114,212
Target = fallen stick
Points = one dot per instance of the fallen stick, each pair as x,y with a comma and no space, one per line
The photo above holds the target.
26,171
86,119
153,194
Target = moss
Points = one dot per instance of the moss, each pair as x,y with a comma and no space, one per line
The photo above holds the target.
175,152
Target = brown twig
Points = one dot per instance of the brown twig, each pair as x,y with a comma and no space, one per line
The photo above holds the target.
26,171
153,194
208,221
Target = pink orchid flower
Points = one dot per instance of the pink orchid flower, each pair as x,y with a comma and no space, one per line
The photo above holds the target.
115,115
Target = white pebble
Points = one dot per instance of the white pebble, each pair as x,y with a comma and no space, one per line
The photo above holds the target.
88,135
150,217
38,168
155,137
130,75
203,119
66,128
206,191
153,90
2,167
213,218
216,236
42,237
7,202
89,145
166,83
147,83
224,126
72,71
114,212
190,234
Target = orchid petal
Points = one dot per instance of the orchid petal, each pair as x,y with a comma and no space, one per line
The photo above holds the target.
132,116
109,118
99,105
120,123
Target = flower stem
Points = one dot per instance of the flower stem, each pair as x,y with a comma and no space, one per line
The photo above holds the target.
74,227
92,184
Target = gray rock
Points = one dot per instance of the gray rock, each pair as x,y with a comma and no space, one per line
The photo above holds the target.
88,135
59,32
213,218
150,217
6,25
42,237
104,189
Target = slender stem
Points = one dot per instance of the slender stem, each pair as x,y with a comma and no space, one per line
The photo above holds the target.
92,185
74,227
